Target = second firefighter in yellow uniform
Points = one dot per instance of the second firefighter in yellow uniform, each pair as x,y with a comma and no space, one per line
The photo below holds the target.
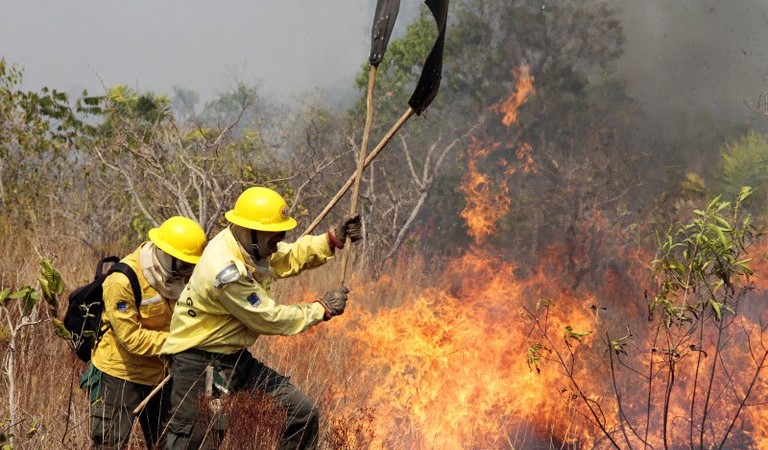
125,364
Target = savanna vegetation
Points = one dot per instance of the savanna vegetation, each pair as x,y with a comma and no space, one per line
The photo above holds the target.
652,243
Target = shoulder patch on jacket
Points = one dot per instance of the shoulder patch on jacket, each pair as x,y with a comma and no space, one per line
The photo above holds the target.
227,275
253,299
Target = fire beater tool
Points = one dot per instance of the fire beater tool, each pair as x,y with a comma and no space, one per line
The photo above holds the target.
426,91
383,21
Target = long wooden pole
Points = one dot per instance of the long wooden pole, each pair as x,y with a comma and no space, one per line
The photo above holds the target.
374,153
360,162
151,394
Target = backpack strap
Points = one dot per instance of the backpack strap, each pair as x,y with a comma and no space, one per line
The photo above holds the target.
100,265
126,270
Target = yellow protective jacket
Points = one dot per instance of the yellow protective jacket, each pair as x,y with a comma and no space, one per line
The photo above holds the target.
130,348
223,308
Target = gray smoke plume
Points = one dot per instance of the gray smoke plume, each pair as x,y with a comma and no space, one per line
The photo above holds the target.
696,57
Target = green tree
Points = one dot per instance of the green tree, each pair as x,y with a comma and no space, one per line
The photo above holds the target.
38,130
167,168
121,104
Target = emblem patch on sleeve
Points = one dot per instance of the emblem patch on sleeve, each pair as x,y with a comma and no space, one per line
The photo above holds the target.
253,299
122,306
227,275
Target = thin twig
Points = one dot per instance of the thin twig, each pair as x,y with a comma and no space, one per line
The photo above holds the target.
598,417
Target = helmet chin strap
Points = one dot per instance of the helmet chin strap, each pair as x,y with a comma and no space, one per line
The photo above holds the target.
255,246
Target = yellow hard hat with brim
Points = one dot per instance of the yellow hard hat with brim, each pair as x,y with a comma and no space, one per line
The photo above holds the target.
180,237
261,209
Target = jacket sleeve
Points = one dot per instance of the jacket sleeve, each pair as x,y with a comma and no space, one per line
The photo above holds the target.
307,252
121,313
251,304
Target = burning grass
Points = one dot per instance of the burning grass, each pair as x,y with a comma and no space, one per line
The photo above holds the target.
477,354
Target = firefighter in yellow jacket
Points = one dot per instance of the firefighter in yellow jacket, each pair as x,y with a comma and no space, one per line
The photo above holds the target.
125,365
226,305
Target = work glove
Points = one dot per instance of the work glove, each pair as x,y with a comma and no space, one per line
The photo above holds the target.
350,227
334,302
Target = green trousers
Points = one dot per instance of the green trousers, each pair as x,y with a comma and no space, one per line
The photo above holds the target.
237,372
112,403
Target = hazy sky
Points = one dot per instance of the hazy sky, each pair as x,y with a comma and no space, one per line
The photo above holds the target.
288,46
695,55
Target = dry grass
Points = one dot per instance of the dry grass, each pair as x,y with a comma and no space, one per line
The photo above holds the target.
319,363
341,364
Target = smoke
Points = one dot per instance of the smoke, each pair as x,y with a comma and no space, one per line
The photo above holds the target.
696,57
688,57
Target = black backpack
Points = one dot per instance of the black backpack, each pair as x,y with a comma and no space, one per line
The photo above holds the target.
83,316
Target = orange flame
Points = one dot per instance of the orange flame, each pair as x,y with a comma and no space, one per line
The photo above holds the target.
487,199
455,366
523,89
525,156
451,368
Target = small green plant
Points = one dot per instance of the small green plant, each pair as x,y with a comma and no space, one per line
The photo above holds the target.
698,263
702,270
18,310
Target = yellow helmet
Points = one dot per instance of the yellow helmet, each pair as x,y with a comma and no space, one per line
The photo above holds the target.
261,209
180,237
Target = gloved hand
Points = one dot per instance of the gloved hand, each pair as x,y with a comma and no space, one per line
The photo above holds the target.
334,302
349,227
